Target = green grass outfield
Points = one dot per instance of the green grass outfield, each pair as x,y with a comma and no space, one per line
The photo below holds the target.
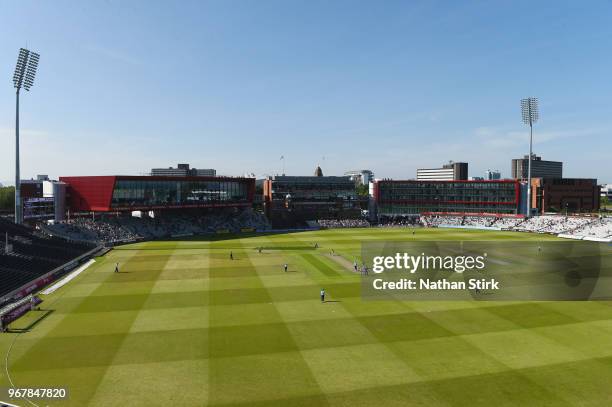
182,325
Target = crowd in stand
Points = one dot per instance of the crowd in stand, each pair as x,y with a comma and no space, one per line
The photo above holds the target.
507,222
85,229
479,221
343,223
598,228
536,224
114,229
552,224
127,228
398,221
440,220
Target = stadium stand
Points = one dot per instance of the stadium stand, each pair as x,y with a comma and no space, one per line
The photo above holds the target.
578,227
441,220
89,230
33,255
343,223
479,221
117,229
554,224
507,222
398,221
122,229
599,228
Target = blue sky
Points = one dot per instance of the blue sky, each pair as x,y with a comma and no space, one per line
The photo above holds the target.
124,86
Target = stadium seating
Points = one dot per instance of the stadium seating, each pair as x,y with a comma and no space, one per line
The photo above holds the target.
507,222
479,221
441,220
343,223
116,229
398,221
33,255
598,228
580,227
552,224
569,226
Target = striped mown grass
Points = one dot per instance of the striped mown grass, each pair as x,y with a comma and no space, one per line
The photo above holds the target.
184,325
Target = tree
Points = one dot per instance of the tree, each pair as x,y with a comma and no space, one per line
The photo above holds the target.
362,190
7,198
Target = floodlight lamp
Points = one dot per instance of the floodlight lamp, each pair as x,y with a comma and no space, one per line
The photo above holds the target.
25,69
529,110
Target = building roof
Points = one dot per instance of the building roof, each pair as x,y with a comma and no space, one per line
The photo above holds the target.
311,179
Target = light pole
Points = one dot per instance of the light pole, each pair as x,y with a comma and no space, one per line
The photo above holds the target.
529,110
25,71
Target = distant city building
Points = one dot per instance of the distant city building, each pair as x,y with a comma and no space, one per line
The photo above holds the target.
491,175
449,172
606,191
203,172
362,177
539,168
476,179
183,170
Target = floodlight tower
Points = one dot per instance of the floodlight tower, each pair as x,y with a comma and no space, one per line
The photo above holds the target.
25,71
529,110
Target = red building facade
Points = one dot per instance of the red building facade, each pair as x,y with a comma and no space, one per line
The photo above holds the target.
410,197
133,193
571,195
